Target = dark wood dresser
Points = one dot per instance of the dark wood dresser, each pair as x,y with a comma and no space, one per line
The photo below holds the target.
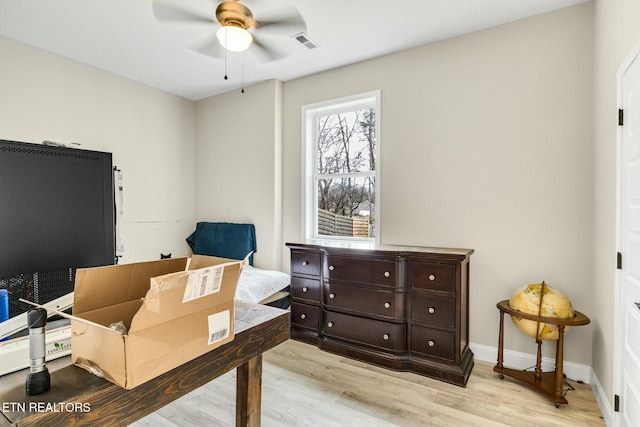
403,308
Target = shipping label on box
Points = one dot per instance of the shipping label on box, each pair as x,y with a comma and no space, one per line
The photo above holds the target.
203,282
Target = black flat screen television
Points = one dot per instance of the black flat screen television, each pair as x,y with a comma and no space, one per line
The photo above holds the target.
56,210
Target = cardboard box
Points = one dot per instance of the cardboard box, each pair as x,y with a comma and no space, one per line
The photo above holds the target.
174,311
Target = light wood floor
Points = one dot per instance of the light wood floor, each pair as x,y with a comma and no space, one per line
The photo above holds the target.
303,386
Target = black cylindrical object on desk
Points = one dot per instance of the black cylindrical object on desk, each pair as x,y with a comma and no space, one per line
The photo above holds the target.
38,380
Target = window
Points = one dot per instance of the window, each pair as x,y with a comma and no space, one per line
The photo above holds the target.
341,168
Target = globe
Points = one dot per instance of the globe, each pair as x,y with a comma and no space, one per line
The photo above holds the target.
554,304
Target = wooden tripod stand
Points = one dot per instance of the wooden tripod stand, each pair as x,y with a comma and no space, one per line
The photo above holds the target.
549,383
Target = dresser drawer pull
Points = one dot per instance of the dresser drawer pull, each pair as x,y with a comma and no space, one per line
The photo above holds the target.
305,262
431,343
387,305
303,316
305,289
385,337
387,274
432,277
331,267
330,324
332,296
431,310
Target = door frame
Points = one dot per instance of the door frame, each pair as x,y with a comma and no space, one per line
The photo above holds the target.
618,326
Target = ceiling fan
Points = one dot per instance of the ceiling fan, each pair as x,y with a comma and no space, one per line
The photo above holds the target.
236,27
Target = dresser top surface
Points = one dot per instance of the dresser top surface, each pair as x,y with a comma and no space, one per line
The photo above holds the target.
373,247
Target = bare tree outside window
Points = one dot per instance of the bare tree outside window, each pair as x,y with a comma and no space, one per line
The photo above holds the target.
345,172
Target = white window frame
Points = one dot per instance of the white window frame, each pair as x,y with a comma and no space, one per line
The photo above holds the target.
309,161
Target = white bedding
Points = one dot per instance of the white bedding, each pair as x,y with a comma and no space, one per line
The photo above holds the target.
256,284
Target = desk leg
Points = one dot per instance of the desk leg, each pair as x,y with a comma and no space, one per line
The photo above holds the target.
249,393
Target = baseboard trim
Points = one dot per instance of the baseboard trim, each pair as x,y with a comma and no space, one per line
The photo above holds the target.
518,360
601,399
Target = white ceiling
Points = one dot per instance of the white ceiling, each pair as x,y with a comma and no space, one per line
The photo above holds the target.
124,38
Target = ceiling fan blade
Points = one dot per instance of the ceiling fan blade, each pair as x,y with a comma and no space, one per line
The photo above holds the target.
288,25
263,53
170,11
209,47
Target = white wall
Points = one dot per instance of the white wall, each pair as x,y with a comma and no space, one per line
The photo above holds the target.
616,33
486,144
150,133
238,164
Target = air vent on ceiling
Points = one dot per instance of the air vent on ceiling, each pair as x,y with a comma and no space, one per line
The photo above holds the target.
304,40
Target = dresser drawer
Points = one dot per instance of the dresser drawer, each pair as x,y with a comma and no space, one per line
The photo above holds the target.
374,271
305,316
303,288
362,300
377,333
432,276
433,342
433,309
303,262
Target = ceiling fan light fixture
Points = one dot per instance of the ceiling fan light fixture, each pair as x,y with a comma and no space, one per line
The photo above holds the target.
235,39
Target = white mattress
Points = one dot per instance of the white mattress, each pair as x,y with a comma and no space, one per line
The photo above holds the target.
256,284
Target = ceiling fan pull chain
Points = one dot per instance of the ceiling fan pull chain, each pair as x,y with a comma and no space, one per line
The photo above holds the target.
225,58
242,72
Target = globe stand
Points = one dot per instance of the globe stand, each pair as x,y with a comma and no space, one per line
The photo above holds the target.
549,383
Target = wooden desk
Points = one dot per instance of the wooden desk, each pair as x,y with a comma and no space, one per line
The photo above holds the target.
258,328
549,383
